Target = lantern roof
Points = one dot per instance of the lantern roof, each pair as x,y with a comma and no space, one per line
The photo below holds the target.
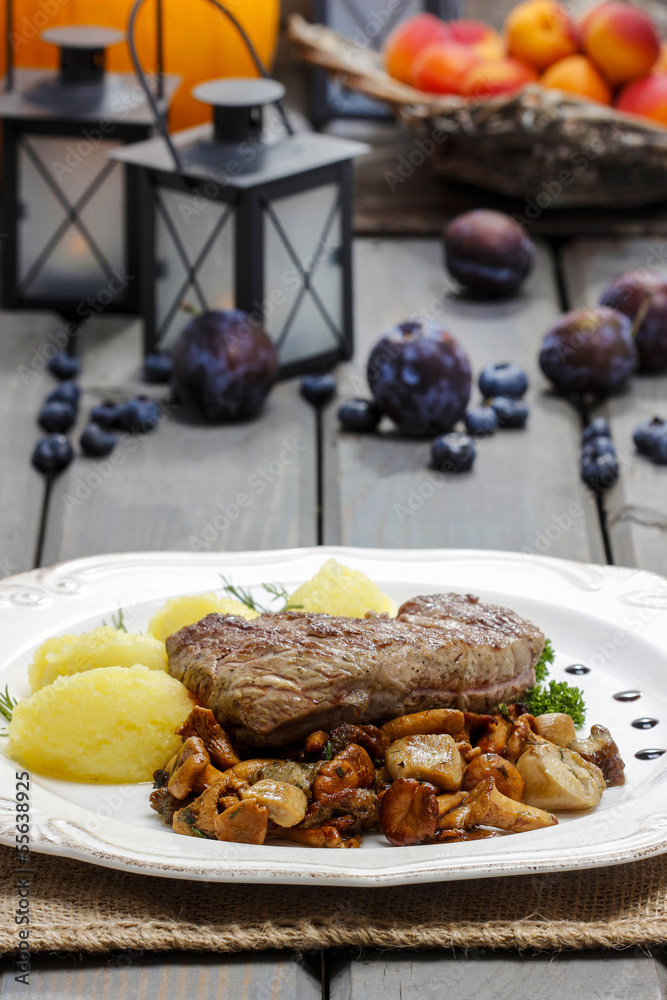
238,92
204,159
39,94
79,36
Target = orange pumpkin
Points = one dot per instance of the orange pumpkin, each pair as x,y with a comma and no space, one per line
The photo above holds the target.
199,43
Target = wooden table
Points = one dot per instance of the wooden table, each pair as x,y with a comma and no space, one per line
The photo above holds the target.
167,485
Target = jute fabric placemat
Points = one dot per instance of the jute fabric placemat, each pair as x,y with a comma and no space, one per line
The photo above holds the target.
81,907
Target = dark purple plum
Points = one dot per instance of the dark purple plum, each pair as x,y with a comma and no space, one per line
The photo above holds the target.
642,296
420,377
224,365
589,350
488,253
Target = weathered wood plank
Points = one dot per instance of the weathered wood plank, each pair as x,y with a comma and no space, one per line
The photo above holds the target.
598,975
27,342
142,976
523,494
637,505
184,486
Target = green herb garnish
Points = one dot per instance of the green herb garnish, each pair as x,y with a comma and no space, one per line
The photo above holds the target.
328,755
117,621
548,656
243,595
7,704
504,710
340,772
558,697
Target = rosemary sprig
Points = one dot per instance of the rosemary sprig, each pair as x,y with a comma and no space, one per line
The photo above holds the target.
242,594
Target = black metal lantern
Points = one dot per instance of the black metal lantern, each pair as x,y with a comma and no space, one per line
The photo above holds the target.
68,211
243,213
368,23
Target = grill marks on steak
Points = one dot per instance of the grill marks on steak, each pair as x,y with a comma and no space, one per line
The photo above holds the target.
280,676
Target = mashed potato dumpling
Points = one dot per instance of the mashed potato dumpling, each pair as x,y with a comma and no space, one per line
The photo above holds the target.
112,724
103,647
339,590
181,611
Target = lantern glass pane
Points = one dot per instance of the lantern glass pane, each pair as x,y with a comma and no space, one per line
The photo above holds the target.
79,258
304,322
369,21
192,232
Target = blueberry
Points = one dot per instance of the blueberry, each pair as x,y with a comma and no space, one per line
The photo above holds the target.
66,392
317,389
596,447
510,412
106,414
55,418
139,415
644,434
600,473
64,366
503,379
659,447
482,421
96,441
453,453
157,368
359,415
598,427
52,454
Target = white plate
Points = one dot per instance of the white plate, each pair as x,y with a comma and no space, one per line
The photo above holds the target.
613,620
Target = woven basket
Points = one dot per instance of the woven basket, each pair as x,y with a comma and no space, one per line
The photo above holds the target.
544,146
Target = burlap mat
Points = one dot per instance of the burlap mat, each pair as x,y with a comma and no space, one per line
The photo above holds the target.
80,907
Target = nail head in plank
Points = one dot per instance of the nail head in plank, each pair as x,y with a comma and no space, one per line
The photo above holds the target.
524,492
637,506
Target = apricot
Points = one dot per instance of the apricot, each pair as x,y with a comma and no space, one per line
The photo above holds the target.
539,32
497,76
439,68
407,40
577,75
621,40
481,37
647,97
661,65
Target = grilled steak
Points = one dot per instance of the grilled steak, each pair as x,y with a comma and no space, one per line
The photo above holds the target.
280,676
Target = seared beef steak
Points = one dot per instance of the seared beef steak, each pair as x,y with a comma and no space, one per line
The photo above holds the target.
278,677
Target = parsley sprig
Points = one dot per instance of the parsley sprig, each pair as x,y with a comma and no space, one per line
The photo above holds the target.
559,696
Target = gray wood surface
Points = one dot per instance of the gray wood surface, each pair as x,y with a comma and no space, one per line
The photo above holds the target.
183,486
267,975
637,505
379,490
26,344
591,975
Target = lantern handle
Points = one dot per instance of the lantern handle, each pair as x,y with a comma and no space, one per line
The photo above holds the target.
160,117
9,45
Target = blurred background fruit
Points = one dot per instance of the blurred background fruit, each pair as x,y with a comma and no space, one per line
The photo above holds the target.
577,75
589,350
621,39
440,68
497,76
408,39
540,32
488,253
642,297
646,97
485,41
